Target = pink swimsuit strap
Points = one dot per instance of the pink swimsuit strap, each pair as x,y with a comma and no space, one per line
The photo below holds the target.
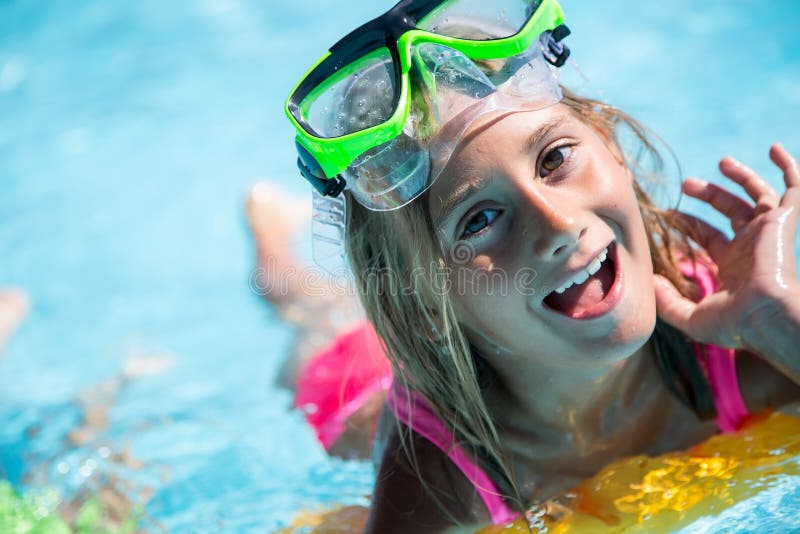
414,411
718,363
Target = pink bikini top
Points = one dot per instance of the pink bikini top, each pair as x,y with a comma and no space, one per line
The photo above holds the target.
413,410
340,379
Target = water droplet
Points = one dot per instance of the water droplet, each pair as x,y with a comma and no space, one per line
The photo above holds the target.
309,408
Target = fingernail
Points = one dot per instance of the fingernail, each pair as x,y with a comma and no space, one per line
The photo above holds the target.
694,184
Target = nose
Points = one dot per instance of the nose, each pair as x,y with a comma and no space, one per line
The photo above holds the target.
556,224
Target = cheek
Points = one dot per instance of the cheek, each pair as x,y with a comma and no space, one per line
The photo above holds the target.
608,188
473,317
480,285
485,297
606,181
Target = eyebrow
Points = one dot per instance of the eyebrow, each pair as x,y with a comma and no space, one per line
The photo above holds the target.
543,131
463,191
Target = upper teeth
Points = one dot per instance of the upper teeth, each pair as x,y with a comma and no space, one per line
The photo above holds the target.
584,274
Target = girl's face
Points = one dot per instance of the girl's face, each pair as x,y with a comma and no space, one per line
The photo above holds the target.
548,250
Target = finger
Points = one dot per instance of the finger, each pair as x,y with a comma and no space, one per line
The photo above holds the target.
781,157
709,237
725,202
673,307
755,186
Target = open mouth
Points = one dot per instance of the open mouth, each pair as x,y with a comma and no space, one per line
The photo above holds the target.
590,293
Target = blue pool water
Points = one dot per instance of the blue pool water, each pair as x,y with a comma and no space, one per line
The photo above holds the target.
129,133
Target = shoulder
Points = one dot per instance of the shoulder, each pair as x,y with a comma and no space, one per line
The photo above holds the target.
419,490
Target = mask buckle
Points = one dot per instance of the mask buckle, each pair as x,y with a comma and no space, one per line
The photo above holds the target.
330,187
555,51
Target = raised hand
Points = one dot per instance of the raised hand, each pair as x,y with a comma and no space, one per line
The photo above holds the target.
759,291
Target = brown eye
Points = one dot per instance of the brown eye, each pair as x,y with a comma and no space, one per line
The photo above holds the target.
554,159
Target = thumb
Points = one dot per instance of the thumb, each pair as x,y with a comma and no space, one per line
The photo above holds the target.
673,307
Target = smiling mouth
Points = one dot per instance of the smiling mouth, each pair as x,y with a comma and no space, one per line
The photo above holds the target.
592,292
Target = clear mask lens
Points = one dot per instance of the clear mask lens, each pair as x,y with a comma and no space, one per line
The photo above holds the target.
449,92
499,18
360,96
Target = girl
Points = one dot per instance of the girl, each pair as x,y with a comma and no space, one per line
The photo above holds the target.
542,315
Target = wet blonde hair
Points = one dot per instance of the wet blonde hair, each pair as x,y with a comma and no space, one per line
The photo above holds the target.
398,266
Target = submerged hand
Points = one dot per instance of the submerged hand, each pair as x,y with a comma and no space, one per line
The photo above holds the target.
757,268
